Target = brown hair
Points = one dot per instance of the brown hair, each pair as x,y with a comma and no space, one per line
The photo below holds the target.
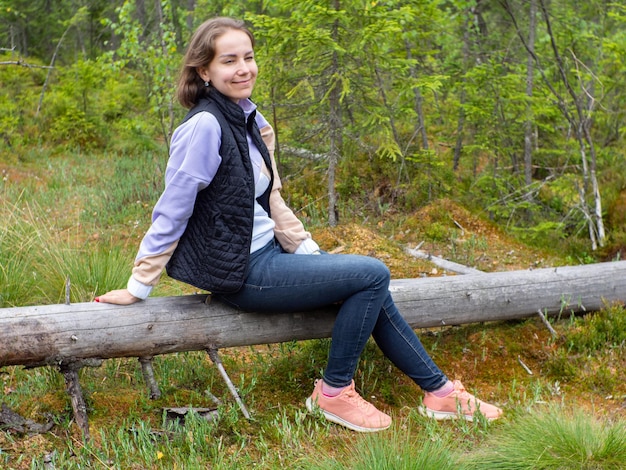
200,53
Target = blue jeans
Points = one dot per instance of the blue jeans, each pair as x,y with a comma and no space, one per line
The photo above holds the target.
281,282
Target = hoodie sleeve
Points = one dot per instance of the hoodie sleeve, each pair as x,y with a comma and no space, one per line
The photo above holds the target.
194,160
289,230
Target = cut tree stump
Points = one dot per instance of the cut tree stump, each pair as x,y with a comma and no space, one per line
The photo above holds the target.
64,335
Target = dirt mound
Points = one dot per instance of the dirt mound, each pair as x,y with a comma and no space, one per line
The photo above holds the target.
362,240
444,229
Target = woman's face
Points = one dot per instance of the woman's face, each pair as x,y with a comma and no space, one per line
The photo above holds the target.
233,70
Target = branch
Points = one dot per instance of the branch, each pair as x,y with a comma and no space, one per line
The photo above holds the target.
443,263
304,153
559,98
25,64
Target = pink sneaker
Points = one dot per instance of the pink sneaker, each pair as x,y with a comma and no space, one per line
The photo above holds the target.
459,404
348,409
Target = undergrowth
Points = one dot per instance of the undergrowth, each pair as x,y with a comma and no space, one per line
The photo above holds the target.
546,421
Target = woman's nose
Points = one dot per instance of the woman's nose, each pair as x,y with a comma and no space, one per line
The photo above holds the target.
243,68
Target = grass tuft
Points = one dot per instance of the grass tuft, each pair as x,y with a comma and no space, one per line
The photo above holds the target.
554,439
399,448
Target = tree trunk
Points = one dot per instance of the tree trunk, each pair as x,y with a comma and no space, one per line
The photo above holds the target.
62,335
167,116
335,131
392,124
530,71
579,123
460,125
419,99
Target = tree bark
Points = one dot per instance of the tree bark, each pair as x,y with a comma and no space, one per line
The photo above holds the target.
63,334
579,123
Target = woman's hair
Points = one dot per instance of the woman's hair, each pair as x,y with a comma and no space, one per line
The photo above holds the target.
200,53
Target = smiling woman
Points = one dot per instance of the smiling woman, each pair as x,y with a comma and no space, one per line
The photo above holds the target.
220,43
222,225
234,70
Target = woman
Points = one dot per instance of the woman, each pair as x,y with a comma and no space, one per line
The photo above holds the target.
222,225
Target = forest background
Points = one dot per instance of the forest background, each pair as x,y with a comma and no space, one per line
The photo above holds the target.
412,119
514,108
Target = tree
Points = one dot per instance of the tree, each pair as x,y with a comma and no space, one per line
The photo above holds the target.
34,28
577,106
530,76
315,47
351,90
152,53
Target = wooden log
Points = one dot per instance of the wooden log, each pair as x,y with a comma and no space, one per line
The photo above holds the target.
62,334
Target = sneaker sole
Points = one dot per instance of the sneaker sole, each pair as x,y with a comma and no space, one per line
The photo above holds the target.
444,415
337,420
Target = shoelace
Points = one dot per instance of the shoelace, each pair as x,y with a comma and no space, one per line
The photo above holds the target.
464,397
357,399
460,389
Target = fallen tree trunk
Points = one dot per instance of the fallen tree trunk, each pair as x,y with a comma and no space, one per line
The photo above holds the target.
73,336
63,334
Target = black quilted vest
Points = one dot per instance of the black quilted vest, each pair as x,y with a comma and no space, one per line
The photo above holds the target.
213,252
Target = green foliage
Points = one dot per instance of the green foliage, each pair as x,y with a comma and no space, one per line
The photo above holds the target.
52,228
592,347
131,187
282,433
18,98
18,240
502,195
598,331
89,271
39,29
153,54
396,91
74,128
353,88
79,180
496,102
37,265
553,233
562,366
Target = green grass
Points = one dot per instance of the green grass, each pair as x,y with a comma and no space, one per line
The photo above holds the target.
404,447
544,426
554,438
17,243
129,430
38,257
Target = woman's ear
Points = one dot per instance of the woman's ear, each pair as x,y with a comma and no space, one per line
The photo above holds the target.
204,74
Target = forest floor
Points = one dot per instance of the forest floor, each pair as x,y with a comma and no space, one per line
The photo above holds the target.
505,361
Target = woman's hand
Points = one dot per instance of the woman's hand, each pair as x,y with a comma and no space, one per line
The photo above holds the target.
119,297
